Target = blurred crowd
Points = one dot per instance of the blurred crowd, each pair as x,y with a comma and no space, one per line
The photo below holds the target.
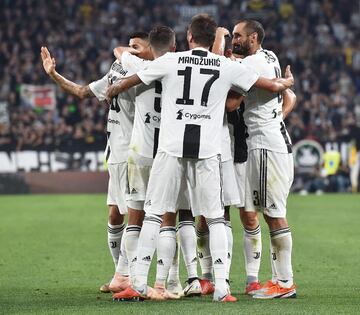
319,38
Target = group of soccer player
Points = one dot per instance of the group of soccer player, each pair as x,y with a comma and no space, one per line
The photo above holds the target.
194,133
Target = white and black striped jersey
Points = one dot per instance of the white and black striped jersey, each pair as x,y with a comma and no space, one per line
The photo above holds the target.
238,134
263,110
121,113
145,133
195,84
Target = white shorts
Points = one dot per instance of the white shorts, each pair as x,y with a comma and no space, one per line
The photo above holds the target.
139,168
230,189
168,177
240,174
269,176
117,186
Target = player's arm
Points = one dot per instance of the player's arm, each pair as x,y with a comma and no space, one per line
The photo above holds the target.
278,84
118,51
81,91
233,101
219,43
289,100
122,86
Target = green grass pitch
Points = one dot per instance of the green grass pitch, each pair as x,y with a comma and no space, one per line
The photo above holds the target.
54,257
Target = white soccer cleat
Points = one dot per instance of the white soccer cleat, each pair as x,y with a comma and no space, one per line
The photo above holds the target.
192,289
175,287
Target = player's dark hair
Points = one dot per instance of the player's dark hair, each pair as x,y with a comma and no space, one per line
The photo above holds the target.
162,38
203,29
252,26
142,35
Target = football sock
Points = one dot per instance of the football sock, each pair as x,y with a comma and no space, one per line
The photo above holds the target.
281,241
204,254
131,244
252,253
123,265
114,236
229,237
174,268
219,251
187,237
146,248
166,247
272,263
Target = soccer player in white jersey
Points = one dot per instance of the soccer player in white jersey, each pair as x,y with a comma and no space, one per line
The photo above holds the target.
142,150
269,172
120,120
190,143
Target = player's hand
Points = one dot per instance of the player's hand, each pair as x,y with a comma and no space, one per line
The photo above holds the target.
288,75
222,31
48,62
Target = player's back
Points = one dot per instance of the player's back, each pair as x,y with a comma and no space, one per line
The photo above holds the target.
195,86
263,110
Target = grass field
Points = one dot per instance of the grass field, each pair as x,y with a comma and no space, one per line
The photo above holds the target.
53,258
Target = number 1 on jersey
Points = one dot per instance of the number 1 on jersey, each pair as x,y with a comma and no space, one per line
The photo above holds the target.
186,100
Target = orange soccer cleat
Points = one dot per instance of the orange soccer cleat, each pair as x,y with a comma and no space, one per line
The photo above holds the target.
252,287
207,287
129,294
276,292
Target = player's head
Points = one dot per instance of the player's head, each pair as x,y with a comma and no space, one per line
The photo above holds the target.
248,36
201,31
140,42
162,40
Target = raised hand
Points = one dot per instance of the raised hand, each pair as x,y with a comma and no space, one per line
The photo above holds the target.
288,75
48,62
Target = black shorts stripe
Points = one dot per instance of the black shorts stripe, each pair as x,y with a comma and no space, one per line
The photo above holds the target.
263,178
156,141
199,52
221,182
191,142
286,138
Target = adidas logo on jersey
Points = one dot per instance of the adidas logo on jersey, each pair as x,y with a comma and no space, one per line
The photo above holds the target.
218,262
148,203
133,191
147,258
273,206
160,262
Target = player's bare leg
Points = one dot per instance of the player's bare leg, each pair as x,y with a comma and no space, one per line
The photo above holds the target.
115,232
187,237
281,242
252,249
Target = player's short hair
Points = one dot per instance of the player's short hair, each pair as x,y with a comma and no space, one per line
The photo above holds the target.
142,35
253,26
203,28
162,38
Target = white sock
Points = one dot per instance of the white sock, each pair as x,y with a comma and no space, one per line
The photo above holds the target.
252,253
281,241
166,247
131,246
114,236
174,268
219,251
204,254
229,237
146,248
272,263
187,236
123,264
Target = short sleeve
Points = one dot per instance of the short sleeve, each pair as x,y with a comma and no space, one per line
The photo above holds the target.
99,87
132,62
242,77
154,71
